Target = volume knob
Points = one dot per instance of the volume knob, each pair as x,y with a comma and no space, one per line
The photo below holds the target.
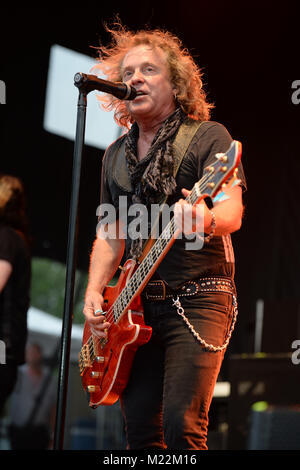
93,388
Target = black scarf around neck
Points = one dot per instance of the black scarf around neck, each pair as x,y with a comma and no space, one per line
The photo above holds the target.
152,177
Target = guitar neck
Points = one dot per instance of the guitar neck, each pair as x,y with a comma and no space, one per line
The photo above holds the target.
215,174
150,262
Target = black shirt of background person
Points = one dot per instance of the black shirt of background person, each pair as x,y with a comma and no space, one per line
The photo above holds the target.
14,298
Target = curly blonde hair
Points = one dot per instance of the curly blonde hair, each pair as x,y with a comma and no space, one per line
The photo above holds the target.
185,75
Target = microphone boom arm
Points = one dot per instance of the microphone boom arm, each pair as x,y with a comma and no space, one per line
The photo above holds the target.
92,82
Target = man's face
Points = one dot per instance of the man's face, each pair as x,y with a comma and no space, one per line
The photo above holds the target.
33,355
146,70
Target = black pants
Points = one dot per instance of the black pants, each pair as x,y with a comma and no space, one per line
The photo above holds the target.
168,396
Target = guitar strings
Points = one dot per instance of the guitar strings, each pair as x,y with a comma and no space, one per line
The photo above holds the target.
169,229
109,314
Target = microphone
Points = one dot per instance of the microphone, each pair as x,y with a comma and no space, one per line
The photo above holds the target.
92,82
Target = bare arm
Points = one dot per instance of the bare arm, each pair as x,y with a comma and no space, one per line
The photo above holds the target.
228,213
105,259
5,272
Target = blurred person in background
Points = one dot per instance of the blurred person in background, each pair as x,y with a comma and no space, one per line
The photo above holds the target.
33,403
15,275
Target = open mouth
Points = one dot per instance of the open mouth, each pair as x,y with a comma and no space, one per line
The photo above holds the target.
140,93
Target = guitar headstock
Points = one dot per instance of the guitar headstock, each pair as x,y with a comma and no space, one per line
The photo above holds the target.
220,171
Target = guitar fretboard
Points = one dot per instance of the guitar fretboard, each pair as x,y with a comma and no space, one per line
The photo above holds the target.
209,184
146,268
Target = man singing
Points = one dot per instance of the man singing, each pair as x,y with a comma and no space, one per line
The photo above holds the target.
166,401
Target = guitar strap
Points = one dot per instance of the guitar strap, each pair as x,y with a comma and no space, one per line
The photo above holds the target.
183,138
118,167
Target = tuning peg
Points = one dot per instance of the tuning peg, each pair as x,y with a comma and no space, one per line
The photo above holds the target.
210,169
222,157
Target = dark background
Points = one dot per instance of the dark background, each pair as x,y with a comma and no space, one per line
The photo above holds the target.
249,55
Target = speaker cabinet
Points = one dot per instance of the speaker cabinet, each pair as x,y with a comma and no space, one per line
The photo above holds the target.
272,378
276,428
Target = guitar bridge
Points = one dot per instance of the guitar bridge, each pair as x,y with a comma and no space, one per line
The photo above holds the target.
88,353
84,358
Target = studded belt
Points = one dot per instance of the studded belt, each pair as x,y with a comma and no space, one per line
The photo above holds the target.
159,290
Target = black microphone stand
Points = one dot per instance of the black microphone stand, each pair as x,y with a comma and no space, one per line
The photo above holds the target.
70,269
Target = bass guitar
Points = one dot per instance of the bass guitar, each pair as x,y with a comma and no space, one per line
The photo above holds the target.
105,363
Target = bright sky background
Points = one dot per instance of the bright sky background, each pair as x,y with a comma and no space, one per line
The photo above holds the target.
61,100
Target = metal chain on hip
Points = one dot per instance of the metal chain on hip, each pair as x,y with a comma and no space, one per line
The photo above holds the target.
206,345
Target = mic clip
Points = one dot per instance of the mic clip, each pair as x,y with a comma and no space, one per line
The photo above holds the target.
81,82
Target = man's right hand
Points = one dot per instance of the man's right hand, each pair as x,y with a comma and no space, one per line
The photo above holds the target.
96,321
